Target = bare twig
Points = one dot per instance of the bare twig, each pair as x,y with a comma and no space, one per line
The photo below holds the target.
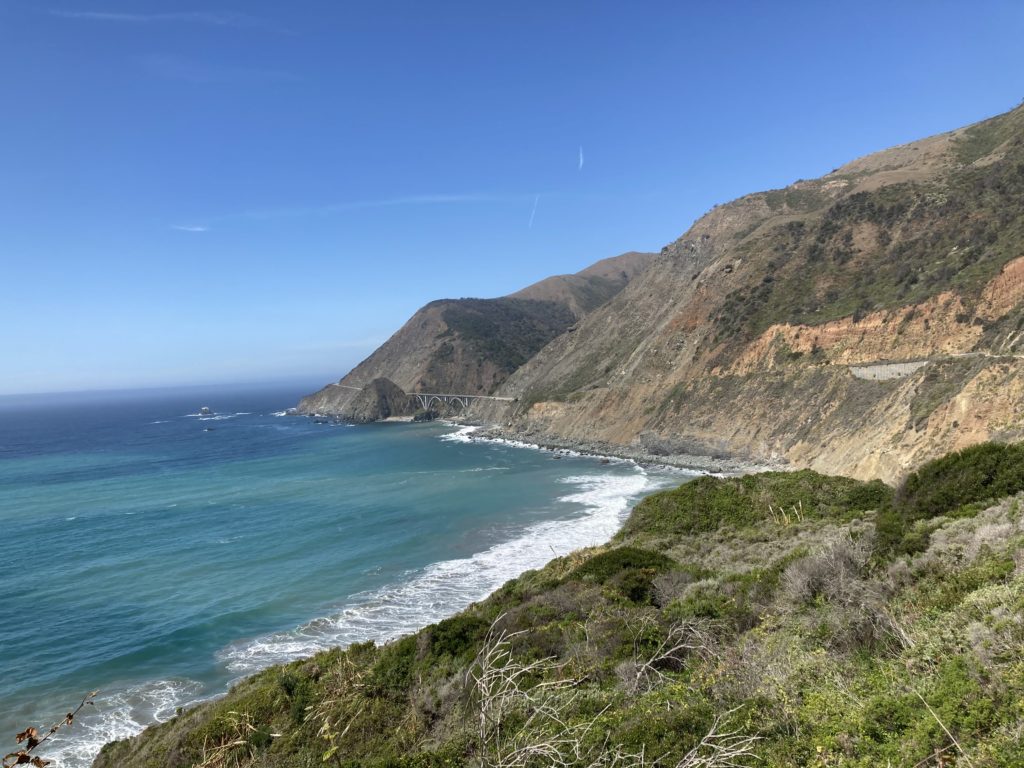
942,725
32,740
721,748
686,637
520,724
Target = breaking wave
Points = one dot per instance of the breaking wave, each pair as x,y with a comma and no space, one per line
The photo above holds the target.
442,589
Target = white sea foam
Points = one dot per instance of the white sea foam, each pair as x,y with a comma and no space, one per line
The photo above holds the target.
439,590
661,468
462,435
118,715
285,412
555,451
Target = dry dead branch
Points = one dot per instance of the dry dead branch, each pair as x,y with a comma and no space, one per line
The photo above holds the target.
721,748
647,669
33,741
520,724
524,710
227,750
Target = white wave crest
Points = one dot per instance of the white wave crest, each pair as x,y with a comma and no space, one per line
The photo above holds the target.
462,435
118,715
444,588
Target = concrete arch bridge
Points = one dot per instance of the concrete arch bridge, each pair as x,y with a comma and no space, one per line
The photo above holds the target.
426,400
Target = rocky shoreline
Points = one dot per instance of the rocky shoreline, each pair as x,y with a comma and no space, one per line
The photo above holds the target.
716,465
661,455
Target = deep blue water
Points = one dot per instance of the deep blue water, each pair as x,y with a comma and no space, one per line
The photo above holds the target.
158,555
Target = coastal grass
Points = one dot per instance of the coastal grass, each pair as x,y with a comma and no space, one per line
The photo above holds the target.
802,639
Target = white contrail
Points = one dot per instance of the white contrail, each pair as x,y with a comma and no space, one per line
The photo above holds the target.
581,157
534,211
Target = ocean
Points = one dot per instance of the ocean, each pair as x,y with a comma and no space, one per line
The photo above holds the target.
158,555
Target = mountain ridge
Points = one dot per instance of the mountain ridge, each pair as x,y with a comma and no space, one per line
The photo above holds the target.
469,346
870,320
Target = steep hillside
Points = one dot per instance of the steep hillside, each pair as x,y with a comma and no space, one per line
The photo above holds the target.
470,346
587,290
858,323
781,619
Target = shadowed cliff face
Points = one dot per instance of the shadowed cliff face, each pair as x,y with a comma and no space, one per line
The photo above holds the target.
740,337
470,346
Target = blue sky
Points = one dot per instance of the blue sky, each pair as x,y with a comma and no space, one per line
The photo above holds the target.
204,192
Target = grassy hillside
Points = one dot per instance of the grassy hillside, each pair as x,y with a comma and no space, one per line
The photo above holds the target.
747,621
888,247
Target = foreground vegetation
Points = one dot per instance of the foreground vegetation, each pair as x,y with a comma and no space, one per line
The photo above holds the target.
779,619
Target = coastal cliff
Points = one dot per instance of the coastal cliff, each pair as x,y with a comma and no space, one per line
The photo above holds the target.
860,323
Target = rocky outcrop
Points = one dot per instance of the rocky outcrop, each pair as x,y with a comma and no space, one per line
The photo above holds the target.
380,399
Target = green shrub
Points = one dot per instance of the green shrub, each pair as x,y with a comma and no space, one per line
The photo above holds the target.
872,495
629,570
457,637
955,485
663,730
979,473
703,602
300,692
606,565
709,503
392,675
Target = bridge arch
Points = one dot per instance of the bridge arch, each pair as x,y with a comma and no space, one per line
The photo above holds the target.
427,400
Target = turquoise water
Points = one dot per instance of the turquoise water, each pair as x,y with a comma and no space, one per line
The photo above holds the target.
159,555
